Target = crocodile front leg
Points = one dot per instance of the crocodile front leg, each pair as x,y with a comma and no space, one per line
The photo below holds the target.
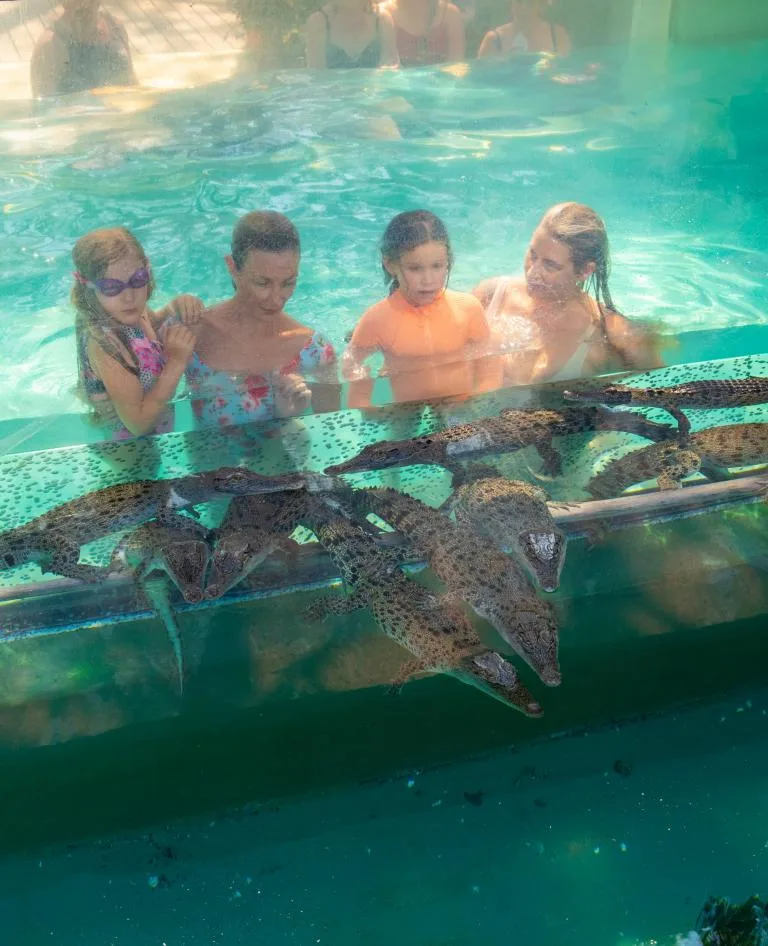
683,425
553,462
406,673
65,560
167,515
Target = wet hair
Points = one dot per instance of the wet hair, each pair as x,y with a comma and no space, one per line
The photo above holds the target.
583,231
406,232
92,255
266,231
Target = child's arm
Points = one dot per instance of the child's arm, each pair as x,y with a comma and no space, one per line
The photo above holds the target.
140,411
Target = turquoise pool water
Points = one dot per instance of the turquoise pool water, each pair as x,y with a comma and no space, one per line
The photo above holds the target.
608,838
675,164
612,838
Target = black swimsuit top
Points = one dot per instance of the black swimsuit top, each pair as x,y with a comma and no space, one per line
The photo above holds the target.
337,58
92,65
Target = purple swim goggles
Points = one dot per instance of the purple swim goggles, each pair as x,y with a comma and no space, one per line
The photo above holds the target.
113,287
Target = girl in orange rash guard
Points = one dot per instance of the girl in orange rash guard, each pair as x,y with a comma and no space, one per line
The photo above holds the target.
432,338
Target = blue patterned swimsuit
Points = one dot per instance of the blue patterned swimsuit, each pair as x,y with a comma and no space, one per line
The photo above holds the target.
221,398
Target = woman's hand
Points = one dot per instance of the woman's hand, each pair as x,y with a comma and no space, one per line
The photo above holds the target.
179,343
188,308
292,394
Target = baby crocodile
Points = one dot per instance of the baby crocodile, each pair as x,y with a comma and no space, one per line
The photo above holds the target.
513,515
712,450
53,540
736,392
434,629
182,552
511,430
253,528
474,569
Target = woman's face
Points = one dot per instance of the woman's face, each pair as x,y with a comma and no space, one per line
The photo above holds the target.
128,307
266,280
549,269
421,273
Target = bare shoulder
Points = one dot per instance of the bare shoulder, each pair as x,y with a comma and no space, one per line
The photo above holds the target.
46,40
317,21
48,51
619,326
452,13
291,326
639,342
466,301
484,290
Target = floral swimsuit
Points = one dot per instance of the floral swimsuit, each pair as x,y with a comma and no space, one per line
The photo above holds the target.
220,398
150,360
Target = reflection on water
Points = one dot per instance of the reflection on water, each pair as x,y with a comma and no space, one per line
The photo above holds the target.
487,148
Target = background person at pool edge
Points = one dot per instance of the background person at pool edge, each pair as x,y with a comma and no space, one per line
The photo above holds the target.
252,360
85,48
528,31
558,321
350,34
427,31
430,336
124,371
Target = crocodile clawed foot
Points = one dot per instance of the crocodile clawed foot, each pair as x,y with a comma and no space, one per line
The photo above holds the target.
595,533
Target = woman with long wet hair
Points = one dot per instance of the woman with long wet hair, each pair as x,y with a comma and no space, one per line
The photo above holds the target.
558,320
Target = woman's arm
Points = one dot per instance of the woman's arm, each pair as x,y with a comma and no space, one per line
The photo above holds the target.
563,40
357,374
139,411
488,373
315,37
490,45
638,346
389,54
46,68
484,291
454,21
122,35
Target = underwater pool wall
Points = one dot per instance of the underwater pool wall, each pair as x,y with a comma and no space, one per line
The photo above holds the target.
704,22
100,732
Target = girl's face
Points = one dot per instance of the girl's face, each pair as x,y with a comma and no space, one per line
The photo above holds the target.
266,280
549,271
128,307
421,273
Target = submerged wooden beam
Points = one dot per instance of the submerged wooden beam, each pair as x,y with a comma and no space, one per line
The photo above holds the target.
62,604
623,512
